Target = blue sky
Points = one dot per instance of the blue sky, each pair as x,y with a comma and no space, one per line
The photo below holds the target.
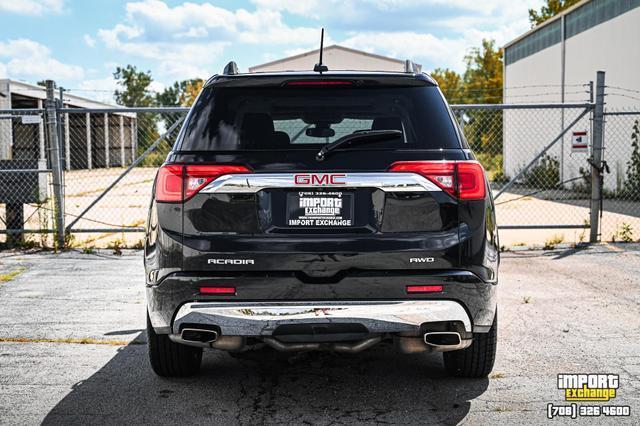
79,43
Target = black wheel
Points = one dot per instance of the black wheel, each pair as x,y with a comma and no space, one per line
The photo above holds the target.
476,360
169,359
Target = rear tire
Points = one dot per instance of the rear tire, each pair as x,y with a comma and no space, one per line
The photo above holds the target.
477,360
169,359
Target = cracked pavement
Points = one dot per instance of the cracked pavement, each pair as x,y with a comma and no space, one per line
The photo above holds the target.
565,311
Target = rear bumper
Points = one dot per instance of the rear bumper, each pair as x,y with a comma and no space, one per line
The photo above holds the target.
262,319
377,296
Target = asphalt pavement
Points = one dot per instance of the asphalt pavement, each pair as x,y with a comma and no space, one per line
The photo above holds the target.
73,351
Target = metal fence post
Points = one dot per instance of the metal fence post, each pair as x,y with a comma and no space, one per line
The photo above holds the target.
596,158
56,164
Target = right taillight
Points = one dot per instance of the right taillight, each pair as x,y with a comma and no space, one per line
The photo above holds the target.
178,183
462,179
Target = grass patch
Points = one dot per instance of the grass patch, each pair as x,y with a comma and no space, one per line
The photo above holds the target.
552,242
9,276
497,376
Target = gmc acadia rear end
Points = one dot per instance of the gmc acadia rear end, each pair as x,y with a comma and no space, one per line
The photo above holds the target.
321,211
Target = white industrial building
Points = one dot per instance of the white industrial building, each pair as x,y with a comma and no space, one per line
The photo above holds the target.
89,140
335,58
554,62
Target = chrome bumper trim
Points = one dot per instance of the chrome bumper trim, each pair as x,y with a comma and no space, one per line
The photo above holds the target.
261,319
388,182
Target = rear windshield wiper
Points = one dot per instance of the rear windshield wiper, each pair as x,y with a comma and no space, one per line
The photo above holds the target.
360,137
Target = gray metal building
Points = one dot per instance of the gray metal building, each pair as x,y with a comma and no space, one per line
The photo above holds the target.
89,140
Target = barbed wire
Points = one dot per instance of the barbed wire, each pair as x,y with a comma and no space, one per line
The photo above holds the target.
623,95
623,89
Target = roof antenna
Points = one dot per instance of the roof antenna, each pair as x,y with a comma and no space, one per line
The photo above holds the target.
319,67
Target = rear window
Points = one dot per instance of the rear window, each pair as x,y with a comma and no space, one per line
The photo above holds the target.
271,118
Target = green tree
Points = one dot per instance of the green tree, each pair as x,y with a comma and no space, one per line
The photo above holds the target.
483,76
550,9
180,93
482,81
134,88
450,83
134,91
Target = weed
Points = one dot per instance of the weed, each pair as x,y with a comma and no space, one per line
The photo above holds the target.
9,276
584,231
552,242
497,376
28,243
88,250
116,246
526,300
138,245
544,175
625,233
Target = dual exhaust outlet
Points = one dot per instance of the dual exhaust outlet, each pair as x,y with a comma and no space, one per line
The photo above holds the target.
441,341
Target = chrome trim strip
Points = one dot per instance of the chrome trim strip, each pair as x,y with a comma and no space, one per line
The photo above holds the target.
261,319
388,182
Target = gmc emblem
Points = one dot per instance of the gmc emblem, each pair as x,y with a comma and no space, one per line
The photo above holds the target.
320,179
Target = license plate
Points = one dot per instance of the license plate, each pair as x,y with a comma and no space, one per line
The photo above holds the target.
319,209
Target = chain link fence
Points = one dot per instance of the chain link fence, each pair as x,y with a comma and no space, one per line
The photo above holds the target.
25,177
550,200
537,158
111,158
621,189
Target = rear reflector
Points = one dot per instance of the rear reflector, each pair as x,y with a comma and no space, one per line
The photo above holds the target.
218,290
462,179
424,289
177,183
319,83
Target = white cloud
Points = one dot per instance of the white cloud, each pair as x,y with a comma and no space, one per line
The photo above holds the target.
32,7
28,59
89,41
187,40
390,27
409,45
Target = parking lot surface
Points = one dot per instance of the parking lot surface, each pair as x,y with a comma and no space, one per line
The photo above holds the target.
73,351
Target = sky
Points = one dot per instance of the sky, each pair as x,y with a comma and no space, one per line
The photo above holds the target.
79,43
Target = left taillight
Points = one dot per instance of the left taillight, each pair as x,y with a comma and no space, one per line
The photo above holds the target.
178,183
462,179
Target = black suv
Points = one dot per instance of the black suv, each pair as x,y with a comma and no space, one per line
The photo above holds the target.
321,211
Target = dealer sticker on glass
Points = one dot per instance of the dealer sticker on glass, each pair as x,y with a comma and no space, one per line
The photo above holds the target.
319,209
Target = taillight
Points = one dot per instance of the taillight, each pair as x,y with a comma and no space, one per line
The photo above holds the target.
424,288
177,183
317,83
218,290
169,184
462,179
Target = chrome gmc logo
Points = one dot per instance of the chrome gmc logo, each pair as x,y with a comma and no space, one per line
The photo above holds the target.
320,179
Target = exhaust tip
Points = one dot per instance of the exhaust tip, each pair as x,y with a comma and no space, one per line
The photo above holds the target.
443,339
199,335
